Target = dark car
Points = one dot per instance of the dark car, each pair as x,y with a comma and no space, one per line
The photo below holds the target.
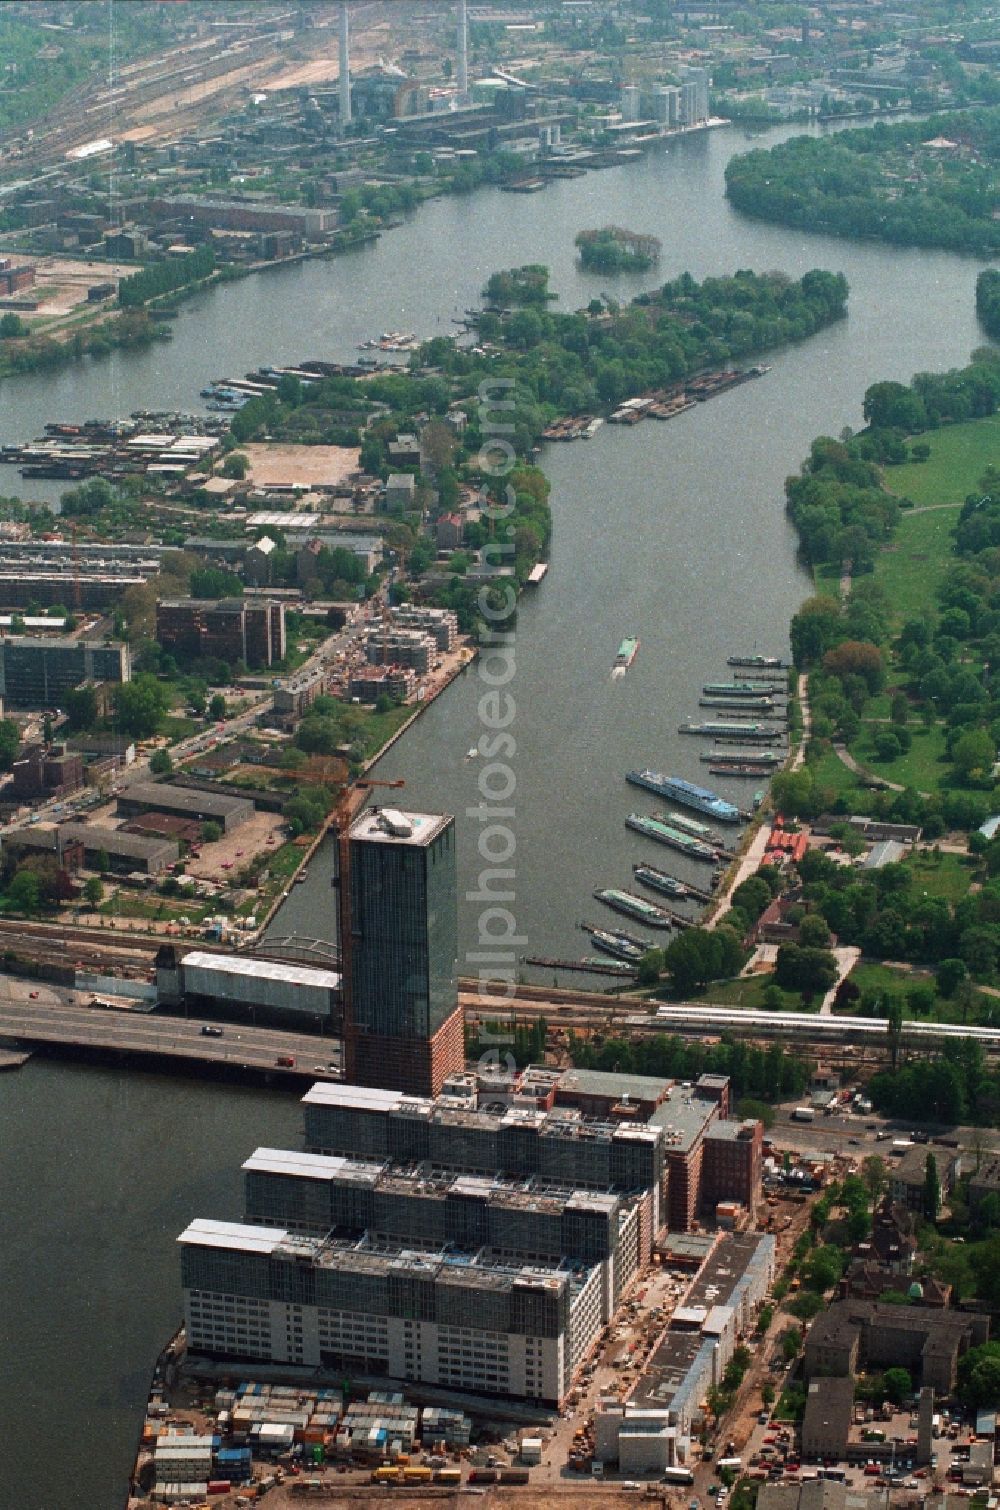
209,1030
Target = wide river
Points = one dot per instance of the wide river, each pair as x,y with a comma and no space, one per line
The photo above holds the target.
675,532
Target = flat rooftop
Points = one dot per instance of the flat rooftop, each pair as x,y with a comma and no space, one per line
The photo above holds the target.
241,968
607,1083
389,825
683,1116
182,799
432,1182
484,1269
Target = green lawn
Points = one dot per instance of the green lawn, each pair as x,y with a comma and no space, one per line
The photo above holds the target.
959,456
748,991
912,566
941,875
921,767
826,576
829,771
868,976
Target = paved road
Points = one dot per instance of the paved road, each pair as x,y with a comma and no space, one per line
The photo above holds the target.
52,1018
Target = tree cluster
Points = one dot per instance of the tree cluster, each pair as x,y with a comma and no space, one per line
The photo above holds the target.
161,278
884,181
771,1074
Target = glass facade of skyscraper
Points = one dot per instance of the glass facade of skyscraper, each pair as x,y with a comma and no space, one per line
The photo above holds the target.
404,923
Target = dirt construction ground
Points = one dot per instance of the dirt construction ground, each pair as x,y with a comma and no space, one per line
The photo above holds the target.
61,285
276,465
218,861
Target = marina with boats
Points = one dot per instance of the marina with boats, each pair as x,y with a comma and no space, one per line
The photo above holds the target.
690,836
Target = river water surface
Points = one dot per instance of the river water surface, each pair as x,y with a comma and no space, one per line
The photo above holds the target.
675,532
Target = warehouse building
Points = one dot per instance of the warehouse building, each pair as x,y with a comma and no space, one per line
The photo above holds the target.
719,1306
186,802
476,1321
240,988
125,853
38,673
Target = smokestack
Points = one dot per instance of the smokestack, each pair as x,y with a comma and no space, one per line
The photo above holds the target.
345,68
463,51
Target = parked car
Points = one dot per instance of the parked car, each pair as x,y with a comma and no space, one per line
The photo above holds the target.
209,1030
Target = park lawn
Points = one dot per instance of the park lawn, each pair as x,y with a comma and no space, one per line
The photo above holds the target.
897,980
923,765
177,727
912,566
959,456
940,875
826,577
747,991
830,772
378,728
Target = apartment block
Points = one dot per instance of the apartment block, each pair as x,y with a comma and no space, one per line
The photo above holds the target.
442,623
231,629
402,647
928,1342
38,672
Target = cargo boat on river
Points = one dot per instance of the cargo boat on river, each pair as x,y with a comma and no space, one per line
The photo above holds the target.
676,789
655,828
633,906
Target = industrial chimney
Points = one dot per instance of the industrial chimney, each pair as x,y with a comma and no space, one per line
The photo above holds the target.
345,68
463,52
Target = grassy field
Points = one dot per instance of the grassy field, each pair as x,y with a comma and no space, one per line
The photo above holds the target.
921,767
829,771
911,568
897,980
748,991
940,875
959,456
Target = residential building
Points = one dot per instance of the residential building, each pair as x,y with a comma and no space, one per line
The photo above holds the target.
985,1180
441,623
907,1182
827,1419
39,672
231,629
399,935
450,532
855,1334
401,647
400,490
44,771
369,683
